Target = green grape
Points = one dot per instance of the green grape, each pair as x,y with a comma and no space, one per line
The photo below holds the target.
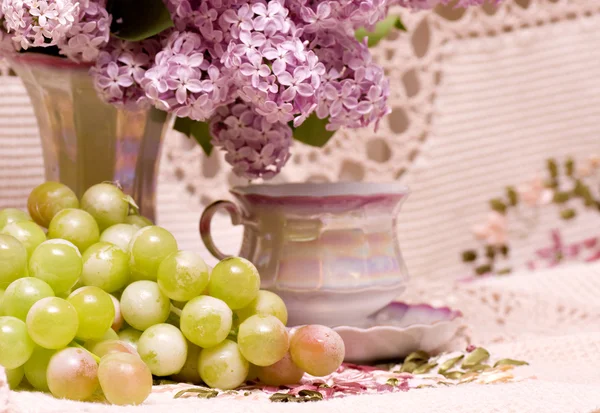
1,301
236,281
138,220
149,246
206,321
52,323
103,348
280,373
189,371
265,303
263,339
49,198
14,377
13,257
143,305
163,348
57,262
22,294
124,378
105,266
119,235
72,374
27,233
182,276
76,226
109,335
96,312
316,349
131,336
37,366
10,215
118,320
15,344
106,203
223,366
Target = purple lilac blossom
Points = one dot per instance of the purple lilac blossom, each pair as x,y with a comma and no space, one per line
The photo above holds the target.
89,34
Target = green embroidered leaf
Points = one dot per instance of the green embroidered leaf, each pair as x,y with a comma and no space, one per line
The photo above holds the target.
498,206
469,256
312,131
410,366
453,375
479,367
424,368
202,392
490,252
420,355
569,167
475,357
512,195
504,250
392,382
510,362
310,395
136,20
503,271
483,269
561,197
568,214
382,29
552,168
198,130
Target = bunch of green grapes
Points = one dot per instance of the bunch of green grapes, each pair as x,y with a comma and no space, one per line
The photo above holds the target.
95,298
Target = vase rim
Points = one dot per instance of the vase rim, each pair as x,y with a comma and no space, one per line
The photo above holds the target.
319,190
47,60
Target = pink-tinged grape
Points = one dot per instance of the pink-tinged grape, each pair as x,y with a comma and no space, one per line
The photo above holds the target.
96,312
131,336
36,367
27,233
52,323
124,378
206,321
72,374
106,203
58,263
10,215
223,366
316,349
112,346
118,320
49,198
76,226
119,235
236,281
139,221
263,339
163,348
265,303
280,373
189,371
16,345
14,377
13,257
105,266
144,305
149,246
23,293
182,275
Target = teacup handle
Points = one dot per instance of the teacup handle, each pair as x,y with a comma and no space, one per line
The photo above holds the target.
206,218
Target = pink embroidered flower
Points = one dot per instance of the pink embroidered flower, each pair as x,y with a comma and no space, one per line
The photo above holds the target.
535,193
494,231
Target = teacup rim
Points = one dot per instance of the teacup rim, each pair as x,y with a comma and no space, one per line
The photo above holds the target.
322,189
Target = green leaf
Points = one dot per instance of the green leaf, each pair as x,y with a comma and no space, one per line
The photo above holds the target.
504,250
202,392
561,197
568,214
198,130
490,252
392,382
512,195
448,364
469,256
498,206
420,355
312,132
510,362
382,29
475,357
552,168
483,269
424,368
136,20
569,167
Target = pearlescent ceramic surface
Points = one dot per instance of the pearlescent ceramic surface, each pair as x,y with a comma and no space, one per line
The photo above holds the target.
329,250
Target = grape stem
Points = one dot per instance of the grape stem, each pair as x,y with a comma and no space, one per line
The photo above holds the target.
76,344
176,311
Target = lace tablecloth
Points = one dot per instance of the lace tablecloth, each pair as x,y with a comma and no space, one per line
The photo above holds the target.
550,318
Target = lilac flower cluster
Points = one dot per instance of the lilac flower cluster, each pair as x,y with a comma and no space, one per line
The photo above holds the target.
253,69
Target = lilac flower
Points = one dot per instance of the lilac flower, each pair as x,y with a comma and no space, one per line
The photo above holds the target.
89,34
255,68
295,83
270,17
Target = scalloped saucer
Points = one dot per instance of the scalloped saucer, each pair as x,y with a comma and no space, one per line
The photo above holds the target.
399,329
